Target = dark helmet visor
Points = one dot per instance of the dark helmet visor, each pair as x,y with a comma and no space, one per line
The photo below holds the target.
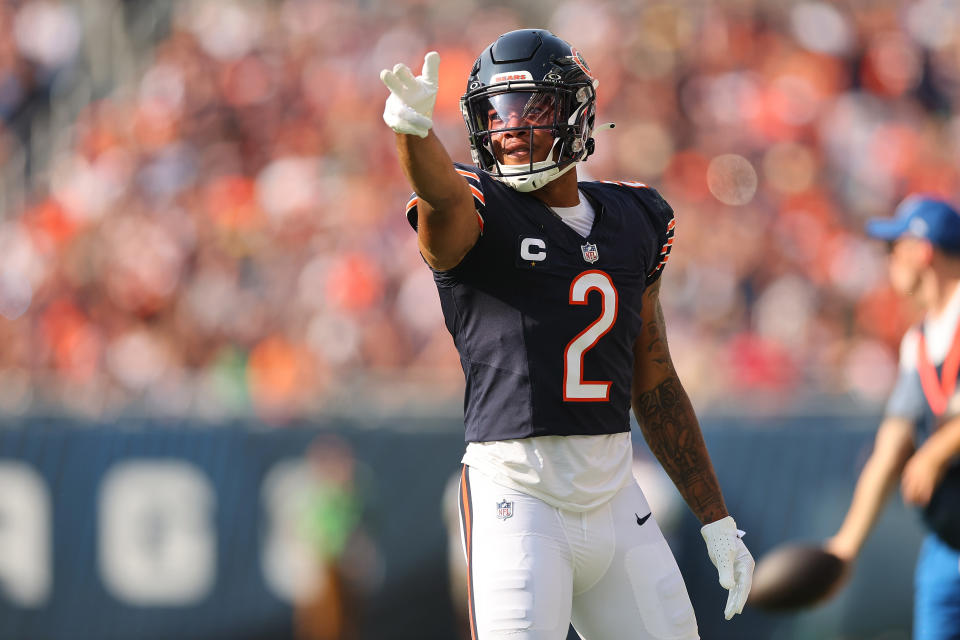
520,109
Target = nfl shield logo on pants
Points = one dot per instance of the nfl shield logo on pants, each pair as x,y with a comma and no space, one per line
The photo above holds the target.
590,253
504,510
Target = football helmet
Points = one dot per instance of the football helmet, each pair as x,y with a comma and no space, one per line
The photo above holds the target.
530,80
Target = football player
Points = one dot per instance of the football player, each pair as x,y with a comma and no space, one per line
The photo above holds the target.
550,289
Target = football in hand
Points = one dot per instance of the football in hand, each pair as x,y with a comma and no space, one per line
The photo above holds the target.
795,576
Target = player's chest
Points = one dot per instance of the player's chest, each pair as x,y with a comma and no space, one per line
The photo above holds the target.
543,247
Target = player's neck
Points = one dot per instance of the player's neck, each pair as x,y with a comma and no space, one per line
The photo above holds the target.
561,192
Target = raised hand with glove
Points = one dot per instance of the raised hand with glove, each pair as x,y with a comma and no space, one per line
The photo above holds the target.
443,208
409,107
732,560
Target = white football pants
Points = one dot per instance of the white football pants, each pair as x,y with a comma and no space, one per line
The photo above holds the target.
533,569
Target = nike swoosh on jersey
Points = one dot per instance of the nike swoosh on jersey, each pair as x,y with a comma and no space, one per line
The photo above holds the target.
640,520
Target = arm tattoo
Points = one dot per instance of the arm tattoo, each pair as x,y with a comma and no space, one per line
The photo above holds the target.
670,428
668,422
657,341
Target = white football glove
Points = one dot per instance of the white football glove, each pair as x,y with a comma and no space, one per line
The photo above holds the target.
409,107
731,558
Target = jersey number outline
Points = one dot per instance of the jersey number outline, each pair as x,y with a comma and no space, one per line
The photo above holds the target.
575,388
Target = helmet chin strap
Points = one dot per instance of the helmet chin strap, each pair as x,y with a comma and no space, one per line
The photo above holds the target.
535,174
531,181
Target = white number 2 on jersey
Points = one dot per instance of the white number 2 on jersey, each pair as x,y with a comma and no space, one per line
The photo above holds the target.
575,388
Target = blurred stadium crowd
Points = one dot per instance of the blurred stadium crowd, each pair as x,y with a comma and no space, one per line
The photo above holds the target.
202,212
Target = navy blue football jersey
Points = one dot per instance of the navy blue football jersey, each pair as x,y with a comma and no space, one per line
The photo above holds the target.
544,319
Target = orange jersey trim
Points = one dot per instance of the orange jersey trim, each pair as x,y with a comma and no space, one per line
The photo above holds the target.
627,183
478,195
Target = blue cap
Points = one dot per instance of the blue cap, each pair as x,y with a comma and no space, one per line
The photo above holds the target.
921,217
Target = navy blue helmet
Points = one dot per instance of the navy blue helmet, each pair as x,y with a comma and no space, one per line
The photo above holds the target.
530,80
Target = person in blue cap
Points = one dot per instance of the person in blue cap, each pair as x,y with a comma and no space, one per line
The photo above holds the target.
918,442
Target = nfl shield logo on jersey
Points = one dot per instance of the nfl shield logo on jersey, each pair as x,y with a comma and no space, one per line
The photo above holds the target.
504,510
590,253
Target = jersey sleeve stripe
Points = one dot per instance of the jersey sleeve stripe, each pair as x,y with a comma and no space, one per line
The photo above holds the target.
478,195
415,201
659,267
665,249
476,187
627,183
412,211
412,214
468,174
476,192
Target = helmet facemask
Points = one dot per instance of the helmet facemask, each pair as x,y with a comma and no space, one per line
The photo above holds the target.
565,110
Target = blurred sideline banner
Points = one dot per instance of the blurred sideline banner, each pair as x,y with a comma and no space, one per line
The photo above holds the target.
147,529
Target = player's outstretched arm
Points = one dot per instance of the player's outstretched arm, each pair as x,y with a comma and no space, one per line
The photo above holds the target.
892,447
447,224
671,429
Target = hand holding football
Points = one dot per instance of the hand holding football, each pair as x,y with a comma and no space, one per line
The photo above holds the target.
794,576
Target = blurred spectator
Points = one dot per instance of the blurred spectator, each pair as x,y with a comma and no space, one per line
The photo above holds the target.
330,525
225,234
